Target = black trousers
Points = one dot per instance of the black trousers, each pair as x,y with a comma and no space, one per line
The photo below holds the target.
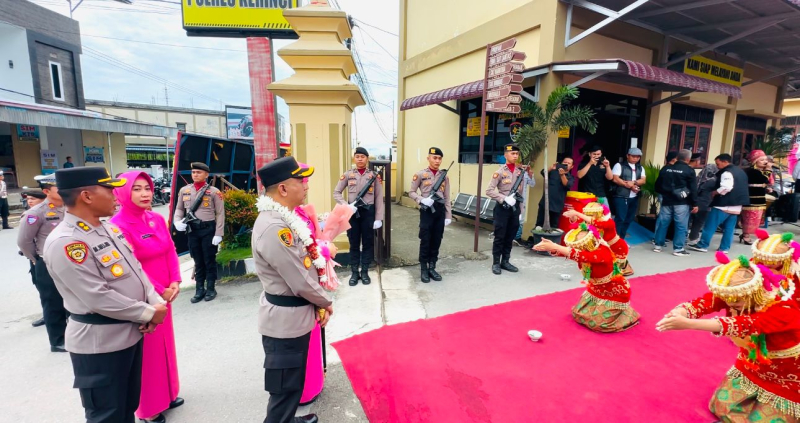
55,315
4,212
204,254
431,231
33,276
285,363
698,220
555,216
362,237
109,384
506,224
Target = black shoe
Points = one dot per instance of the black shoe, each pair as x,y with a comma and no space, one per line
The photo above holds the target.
211,293
159,419
505,265
57,348
177,403
199,292
434,274
364,277
496,266
354,276
308,418
424,273
37,323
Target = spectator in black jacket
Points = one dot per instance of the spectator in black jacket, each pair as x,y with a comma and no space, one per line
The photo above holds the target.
705,186
677,185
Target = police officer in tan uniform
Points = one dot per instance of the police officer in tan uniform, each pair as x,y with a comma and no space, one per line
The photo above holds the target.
205,233
433,217
508,210
35,225
293,297
110,300
32,198
362,227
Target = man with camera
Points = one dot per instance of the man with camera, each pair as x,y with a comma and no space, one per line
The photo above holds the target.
200,211
628,180
677,185
559,181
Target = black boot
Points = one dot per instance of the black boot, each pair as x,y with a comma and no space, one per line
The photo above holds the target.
211,293
432,271
365,275
5,223
354,276
506,265
424,273
496,265
199,292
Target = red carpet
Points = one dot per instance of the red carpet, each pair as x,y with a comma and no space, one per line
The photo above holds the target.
480,366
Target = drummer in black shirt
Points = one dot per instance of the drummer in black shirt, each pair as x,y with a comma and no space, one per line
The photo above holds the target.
593,172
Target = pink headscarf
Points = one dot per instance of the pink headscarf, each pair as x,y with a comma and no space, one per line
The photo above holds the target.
128,210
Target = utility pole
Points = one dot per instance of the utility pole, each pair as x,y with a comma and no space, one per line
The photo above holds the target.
166,94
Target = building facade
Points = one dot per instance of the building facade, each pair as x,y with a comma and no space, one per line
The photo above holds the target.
43,120
650,73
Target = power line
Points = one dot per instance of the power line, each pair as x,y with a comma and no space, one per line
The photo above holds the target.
376,42
375,27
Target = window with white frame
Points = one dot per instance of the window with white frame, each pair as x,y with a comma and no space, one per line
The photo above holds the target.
56,81
181,126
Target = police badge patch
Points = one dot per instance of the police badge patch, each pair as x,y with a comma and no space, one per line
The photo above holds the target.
76,252
286,237
32,219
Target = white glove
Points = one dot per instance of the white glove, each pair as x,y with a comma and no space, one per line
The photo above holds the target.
427,201
447,222
179,225
216,240
377,224
510,200
353,207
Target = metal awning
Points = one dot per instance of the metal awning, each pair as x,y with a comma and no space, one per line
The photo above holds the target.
628,72
61,117
620,71
763,33
469,90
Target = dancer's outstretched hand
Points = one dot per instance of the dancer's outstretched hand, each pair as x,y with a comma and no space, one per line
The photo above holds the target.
673,323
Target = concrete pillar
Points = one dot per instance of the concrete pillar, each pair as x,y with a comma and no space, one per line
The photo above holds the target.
320,96
729,130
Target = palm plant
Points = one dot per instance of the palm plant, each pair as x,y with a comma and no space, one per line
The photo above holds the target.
777,142
557,114
651,172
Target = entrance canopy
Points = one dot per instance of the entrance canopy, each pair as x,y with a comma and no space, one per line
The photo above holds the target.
620,71
61,117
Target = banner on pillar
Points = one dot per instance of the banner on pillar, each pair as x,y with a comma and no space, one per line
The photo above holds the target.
49,161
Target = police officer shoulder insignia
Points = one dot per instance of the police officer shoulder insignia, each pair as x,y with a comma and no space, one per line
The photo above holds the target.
32,219
84,226
341,178
307,262
416,176
286,237
219,194
495,176
117,270
76,252
51,205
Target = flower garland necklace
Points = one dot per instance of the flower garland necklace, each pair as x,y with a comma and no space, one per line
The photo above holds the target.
299,227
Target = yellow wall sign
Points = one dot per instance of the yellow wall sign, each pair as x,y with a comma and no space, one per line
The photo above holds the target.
713,70
240,18
564,132
473,127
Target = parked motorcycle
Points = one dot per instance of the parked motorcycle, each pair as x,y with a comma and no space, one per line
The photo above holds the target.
162,193
24,199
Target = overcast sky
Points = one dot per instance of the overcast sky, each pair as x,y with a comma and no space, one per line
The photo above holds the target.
209,73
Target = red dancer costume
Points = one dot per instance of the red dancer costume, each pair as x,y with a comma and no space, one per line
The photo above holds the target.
779,253
598,215
763,320
605,306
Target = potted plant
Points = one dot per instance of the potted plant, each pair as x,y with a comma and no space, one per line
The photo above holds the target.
648,220
557,113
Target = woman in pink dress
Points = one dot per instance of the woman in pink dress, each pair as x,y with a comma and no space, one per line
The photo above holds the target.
152,245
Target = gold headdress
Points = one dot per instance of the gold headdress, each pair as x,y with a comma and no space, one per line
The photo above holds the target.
594,209
588,242
738,280
775,251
